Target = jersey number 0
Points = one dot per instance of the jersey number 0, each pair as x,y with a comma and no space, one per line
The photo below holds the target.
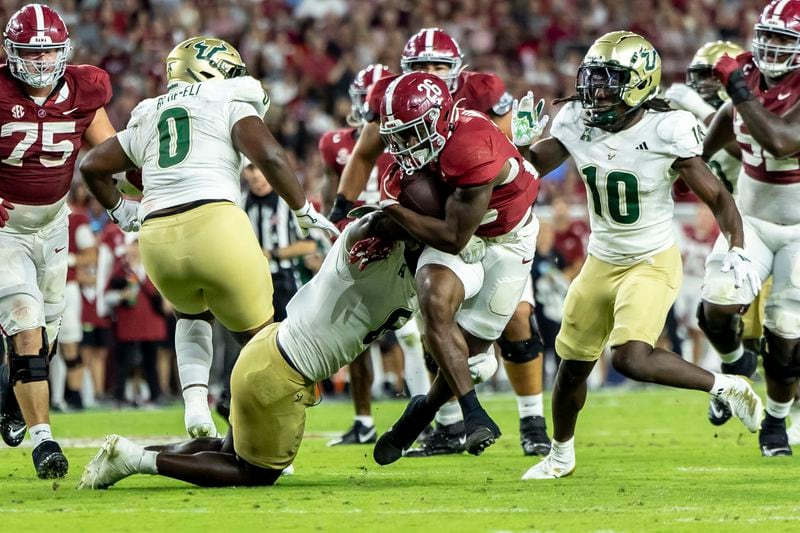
174,136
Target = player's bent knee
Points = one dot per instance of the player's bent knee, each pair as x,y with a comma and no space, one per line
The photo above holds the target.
630,360
75,362
782,358
519,351
28,368
721,327
257,476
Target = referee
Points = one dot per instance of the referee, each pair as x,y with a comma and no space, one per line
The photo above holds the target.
276,229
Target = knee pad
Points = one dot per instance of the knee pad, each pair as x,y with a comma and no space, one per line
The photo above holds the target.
523,351
73,363
782,367
726,333
28,368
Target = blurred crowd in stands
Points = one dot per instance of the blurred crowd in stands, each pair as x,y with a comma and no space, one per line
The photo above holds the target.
306,53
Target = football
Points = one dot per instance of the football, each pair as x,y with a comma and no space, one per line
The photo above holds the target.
425,193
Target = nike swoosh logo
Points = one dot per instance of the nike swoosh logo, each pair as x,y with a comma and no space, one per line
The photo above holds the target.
784,96
526,261
17,433
59,249
716,411
462,440
70,111
366,436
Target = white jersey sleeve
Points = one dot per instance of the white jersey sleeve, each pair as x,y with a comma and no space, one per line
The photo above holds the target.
131,137
681,134
334,317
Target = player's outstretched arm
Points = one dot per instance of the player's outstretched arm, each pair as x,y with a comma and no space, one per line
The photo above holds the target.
713,193
720,133
547,155
356,172
252,138
464,211
97,168
779,135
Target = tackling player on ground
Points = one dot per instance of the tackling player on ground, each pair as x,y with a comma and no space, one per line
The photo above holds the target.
48,111
763,117
629,147
197,244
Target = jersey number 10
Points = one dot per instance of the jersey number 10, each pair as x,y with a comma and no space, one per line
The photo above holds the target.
622,194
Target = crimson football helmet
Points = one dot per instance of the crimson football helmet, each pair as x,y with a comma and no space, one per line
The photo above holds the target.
434,45
359,88
36,28
780,21
416,116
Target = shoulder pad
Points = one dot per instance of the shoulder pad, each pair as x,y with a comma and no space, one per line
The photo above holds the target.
480,91
247,90
91,84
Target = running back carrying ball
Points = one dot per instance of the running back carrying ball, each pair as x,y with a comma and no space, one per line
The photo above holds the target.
424,192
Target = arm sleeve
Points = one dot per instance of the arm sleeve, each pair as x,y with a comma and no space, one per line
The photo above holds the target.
128,141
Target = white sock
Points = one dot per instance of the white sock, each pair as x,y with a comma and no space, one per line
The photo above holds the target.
40,433
722,382
532,405
778,409
563,451
449,413
366,420
147,464
415,373
733,356
196,398
194,350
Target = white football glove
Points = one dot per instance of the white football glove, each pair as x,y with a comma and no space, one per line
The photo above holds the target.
684,97
474,251
744,273
308,217
527,120
126,215
482,366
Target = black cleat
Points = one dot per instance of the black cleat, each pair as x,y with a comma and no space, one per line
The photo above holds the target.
533,435
718,411
358,434
772,438
442,441
49,461
12,425
481,430
404,432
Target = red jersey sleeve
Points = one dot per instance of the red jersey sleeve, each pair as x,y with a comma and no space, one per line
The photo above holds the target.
93,87
745,58
475,153
482,92
326,149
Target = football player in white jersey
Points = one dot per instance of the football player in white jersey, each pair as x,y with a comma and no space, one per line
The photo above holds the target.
350,302
197,244
763,117
629,147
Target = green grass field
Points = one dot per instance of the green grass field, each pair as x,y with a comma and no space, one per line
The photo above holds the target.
647,461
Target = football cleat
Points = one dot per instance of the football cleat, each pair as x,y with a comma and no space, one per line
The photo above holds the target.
12,425
744,402
116,460
551,468
358,434
533,435
49,460
481,431
718,412
772,439
403,433
442,440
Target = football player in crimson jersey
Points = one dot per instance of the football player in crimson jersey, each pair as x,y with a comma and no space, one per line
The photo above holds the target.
763,117
629,147
48,111
475,265
432,50
335,148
